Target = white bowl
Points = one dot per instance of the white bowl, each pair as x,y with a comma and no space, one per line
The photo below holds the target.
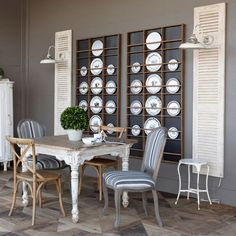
88,140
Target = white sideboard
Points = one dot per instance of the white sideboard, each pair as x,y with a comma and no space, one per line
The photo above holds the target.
6,119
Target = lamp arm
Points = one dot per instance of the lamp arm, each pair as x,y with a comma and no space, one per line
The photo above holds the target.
49,49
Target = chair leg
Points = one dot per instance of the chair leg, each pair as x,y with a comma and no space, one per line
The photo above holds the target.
144,197
105,195
117,205
100,183
58,185
34,203
156,206
81,174
13,199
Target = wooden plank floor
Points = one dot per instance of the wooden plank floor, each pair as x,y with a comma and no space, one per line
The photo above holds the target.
183,219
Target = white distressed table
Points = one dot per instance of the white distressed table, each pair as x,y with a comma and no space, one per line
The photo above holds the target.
74,154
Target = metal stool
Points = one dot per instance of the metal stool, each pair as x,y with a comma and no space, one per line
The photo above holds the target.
197,164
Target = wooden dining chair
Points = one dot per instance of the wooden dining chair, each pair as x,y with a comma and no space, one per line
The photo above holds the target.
139,181
102,163
35,179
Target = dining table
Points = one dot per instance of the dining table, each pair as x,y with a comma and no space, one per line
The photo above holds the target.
74,153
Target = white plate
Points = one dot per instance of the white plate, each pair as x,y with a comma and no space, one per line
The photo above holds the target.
136,67
173,133
153,105
153,41
152,60
151,123
172,85
96,104
173,65
173,108
110,107
96,85
83,88
153,83
112,126
136,86
83,70
97,48
110,69
96,66
94,123
136,130
84,105
136,107
110,87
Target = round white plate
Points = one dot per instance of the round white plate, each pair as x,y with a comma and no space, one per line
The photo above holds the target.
136,67
153,105
112,126
152,60
110,107
83,88
96,85
84,105
110,69
172,85
96,104
136,86
151,123
83,70
110,87
173,65
97,48
136,107
153,41
96,66
136,130
173,108
153,83
94,123
173,132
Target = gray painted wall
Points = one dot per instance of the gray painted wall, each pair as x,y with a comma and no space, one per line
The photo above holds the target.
104,17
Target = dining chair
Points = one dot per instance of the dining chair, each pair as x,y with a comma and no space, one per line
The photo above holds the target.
28,128
35,179
138,181
102,163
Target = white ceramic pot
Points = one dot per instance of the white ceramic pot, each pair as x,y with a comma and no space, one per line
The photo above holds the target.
74,135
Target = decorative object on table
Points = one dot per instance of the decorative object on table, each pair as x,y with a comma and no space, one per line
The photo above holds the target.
153,41
102,163
75,121
1,73
136,86
162,77
102,56
138,181
153,83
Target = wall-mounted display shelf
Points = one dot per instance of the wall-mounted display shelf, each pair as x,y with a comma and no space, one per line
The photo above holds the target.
155,87
98,80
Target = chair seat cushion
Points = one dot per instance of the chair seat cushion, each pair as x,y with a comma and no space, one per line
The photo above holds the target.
47,162
133,180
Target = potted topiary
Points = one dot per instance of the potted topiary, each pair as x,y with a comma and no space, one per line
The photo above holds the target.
1,73
74,120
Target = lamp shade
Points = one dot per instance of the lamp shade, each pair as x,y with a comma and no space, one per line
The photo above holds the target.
189,45
48,61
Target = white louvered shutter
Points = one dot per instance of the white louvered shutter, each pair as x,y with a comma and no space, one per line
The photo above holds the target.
63,76
208,89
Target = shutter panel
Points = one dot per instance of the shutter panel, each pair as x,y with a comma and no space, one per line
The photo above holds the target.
208,89
63,76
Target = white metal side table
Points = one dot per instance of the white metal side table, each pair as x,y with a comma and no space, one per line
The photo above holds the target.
198,165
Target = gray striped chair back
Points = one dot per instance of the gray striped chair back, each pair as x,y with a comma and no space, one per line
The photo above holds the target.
28,128
154,148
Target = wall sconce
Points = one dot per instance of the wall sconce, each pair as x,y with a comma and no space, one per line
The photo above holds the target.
49,58
194,43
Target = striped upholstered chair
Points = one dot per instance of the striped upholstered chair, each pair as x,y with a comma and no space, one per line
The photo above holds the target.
139,181
28,128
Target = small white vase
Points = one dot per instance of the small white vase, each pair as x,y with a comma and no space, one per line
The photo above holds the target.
74,135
